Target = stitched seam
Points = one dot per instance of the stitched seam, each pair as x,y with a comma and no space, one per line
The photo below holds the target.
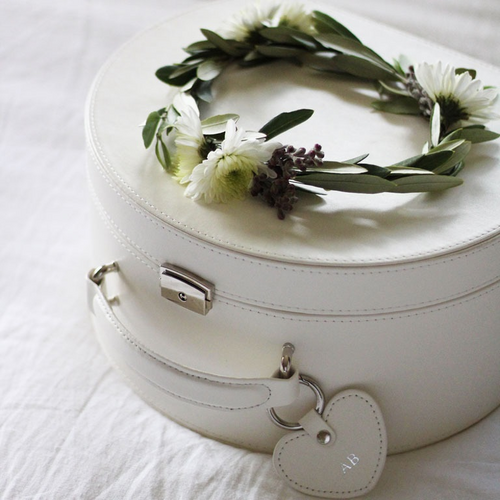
367,320
376,310
302,435
114,228
155,357
367,273
172,415
198,403
328,320
123,245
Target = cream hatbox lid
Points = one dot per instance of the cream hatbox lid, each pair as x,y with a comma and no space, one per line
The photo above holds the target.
339,229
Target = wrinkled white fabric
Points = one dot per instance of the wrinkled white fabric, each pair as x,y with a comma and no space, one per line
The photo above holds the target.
70,427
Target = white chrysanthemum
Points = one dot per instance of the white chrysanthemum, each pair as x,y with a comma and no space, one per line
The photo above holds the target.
249,20
183,101
227,172
294,15
460,96
189,142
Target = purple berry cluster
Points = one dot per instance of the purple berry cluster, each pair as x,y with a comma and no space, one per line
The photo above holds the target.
285,162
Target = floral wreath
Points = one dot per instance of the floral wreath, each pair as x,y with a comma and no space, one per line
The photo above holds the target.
219,162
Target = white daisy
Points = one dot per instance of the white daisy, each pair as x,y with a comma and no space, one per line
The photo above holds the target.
460,97
227,172
189,141
255,17
182,101
294,15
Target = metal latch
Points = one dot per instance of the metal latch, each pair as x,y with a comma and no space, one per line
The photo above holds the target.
186,289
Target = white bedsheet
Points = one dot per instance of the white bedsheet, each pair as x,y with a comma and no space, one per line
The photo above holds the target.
70,428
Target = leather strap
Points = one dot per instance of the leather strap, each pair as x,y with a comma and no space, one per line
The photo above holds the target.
181,382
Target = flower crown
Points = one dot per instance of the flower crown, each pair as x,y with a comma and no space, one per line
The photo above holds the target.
219,162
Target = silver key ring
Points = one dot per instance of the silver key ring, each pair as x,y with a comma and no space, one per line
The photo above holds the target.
320,406
97,275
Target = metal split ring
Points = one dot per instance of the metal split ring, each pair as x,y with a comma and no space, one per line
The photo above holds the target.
97,275
320,406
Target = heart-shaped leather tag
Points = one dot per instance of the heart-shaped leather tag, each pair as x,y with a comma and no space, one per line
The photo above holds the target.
340,454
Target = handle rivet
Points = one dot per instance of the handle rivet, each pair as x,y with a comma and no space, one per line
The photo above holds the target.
182,297
323,437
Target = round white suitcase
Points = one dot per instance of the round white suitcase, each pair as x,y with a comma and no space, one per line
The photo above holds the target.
392,295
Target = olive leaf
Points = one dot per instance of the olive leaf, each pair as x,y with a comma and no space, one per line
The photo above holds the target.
210,69
459,154
398,105
185,69
197,58
425,183
326,24
409,162
253,58
202,46
398,67
278,51
165,126
354,48
476,135
357,159
319,61
229,47
286,35
361,67
285,121
217,124
453,136
149,130
347,182
348,166
447,145
203,90
414,181
433,160
280,34
163,155
398,171
177,75
306,188
376,170
392,88
334,168
435,124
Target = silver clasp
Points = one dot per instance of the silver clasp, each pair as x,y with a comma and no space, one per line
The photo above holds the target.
186,289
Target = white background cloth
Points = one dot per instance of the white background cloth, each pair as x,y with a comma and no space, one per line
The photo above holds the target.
70,428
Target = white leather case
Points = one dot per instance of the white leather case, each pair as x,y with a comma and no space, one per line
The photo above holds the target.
395,295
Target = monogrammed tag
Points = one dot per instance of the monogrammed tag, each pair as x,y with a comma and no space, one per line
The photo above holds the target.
340,454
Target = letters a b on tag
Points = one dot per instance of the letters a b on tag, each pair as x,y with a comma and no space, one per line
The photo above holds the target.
346,466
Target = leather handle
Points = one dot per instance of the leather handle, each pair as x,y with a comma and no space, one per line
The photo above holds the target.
181,382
